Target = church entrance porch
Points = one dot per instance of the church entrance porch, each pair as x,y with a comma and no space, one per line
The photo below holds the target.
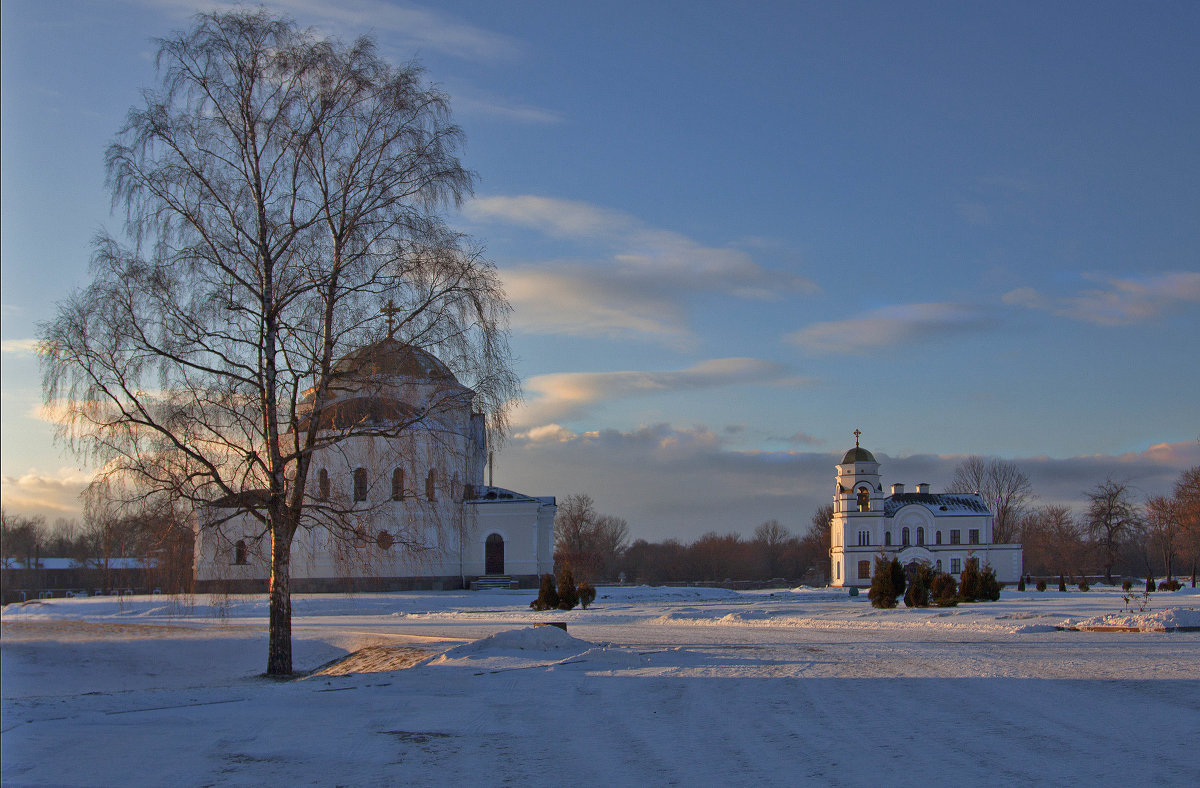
493,561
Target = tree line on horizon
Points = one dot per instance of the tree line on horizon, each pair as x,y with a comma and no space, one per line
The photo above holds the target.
1114,534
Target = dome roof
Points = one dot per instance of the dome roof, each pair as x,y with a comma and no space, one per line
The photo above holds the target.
858,454
393,358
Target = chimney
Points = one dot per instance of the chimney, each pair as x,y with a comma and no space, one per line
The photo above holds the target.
923,488
897,489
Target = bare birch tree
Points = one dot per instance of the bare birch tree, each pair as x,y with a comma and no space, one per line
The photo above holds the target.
1112,517
1004,488
278,189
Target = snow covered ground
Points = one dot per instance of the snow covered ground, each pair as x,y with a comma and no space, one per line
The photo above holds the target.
651,686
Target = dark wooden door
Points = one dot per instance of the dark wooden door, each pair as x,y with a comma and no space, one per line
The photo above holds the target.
493,553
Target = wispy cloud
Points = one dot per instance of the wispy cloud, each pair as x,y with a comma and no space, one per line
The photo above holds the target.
633,277
19,347
890,326
1116,302
565,395
407,26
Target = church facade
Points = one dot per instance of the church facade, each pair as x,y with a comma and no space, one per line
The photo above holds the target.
941,530
398,496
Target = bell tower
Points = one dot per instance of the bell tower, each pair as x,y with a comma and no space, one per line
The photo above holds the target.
857,514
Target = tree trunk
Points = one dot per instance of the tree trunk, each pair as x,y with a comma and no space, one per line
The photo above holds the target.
279,638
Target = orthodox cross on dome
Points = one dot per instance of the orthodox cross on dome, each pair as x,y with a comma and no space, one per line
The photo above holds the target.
857,432
389,311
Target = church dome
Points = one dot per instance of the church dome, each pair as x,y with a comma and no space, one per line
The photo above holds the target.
858,454
393,358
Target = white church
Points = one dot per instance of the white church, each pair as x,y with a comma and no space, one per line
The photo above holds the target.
942,530
404,497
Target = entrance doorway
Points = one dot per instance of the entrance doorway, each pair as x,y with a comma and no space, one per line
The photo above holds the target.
493,555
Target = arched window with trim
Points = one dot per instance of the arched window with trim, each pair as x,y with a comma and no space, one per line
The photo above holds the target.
937,537
323,484
887,538
864,500
920,535
398,484
360,484
431,485
239,552
904,536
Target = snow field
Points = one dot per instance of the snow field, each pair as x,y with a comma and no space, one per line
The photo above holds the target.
649,687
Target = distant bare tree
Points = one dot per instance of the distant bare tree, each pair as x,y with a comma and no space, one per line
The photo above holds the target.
1054,541
1164,527
587,542
1111,518
1187,497
771,539
1004,488
279,188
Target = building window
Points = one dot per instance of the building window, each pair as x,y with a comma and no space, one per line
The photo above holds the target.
955,565
864,538
939,564
837,569
864,500
887,538
398,484
323,484
468,492
239,552
920,536
973,536
904,536
864,570
937,537
954,537
360,484
431,485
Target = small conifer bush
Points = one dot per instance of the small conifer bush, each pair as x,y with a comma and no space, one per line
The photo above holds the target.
587,594
917,594
989,586
1041,585
1169,585
969,589
1062,583
884,590
1083,585
1149,583
547,598
568,594
1127,586
944,590
1021,583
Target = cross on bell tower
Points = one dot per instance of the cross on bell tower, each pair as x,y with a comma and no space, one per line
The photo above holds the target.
857,432
390,311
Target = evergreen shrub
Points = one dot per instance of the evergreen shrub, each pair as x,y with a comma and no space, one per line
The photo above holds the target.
568,594
917,594
1169,585
1149,583
969,589
884,589
1062,583
1041,585
1127,586
1083,585
1021,583
587,594
547,598
944,590
989,586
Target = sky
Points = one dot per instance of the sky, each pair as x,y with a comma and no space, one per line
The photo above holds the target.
734,233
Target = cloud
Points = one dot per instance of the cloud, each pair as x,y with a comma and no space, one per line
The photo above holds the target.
19,347
889,326
1117,302
632,278
467,102
48,494
408,26
561,396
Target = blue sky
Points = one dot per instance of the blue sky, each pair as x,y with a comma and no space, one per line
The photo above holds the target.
734,234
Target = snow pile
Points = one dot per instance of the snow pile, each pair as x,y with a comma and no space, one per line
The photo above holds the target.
517,648
1148,621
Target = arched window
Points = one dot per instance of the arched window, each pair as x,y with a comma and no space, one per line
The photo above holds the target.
360,484
904,536
939,564
323,484
920,535
864,500
398,484
887,538
431,485
239,552
937,537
